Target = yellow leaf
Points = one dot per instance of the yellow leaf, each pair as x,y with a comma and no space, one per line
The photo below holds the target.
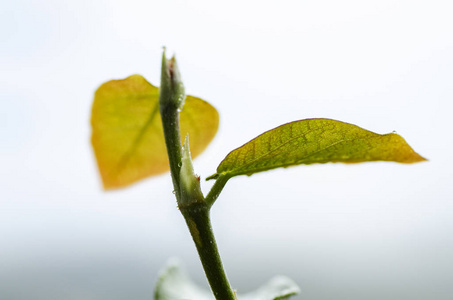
127,134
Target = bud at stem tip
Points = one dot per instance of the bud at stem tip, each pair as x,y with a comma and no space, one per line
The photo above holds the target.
171,87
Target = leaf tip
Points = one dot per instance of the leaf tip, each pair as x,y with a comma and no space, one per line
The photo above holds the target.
416,158
404,153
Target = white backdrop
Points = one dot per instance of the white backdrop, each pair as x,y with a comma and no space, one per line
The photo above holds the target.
343,232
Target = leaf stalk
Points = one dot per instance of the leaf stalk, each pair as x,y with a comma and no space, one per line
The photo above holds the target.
216,189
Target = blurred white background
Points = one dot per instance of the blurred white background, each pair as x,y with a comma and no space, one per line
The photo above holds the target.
343,232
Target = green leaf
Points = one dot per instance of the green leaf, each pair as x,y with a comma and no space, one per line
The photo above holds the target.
314,141
127,134
173,283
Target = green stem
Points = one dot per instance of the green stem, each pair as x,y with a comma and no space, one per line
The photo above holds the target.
191,201
216,189
170,123
199,223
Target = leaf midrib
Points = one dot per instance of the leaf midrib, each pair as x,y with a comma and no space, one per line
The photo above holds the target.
128,154
288,164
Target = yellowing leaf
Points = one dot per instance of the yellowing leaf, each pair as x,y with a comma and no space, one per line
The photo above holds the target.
314,141
127,134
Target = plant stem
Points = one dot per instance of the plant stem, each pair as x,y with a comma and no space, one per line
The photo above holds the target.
216,189
171,98
199,223
170,124
191,203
